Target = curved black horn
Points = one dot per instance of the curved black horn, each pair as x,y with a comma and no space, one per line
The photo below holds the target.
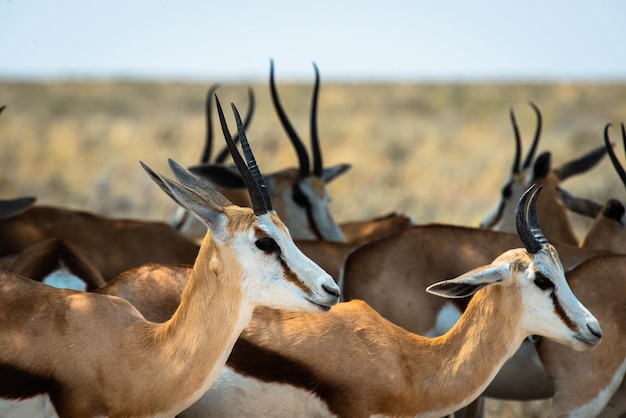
303,157
256,195
526,221
225,152
518,144
251,162
316,152
2,108
531,153
208,141
612,156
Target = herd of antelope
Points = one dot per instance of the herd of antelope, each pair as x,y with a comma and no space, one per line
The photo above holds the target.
253,302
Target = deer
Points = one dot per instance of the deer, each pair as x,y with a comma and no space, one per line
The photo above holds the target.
384,370
96,355
557,225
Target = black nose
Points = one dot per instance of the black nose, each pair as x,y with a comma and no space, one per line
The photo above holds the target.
332,291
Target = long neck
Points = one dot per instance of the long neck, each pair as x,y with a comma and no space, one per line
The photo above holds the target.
194,344
466,359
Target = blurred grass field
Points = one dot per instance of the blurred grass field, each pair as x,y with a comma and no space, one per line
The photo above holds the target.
438,152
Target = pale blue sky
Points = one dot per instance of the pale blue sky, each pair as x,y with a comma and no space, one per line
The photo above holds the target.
363,40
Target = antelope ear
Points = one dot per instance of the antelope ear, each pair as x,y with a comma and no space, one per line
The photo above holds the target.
219,175
16,206
581,164
330,173
579,205
206,204
470,282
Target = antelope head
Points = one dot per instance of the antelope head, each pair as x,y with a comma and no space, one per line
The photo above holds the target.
539,171
255,236
305,199
549,307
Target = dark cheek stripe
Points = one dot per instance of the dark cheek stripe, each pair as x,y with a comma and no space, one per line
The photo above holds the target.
302,201
293,277
561,314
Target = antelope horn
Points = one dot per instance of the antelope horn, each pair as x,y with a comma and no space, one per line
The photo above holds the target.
531,153
254,189
252,165
221,156
526,221
609,148
303,157
208,143
518,143
316,152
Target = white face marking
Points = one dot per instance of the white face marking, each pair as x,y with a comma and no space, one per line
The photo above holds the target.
320,212
64,279
542,317
306,287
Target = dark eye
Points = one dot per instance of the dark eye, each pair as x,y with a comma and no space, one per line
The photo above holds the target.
543,283
267,245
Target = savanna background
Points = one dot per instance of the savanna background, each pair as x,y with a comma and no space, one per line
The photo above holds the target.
438,152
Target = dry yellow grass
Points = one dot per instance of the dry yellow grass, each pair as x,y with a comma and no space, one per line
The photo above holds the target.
437,152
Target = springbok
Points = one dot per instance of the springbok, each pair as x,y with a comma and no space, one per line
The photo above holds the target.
607,230
556,222
289,364
390,275
95,355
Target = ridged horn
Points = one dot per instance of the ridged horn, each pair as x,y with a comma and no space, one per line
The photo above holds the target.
526,221
612,156
221,156
251,161
256,194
